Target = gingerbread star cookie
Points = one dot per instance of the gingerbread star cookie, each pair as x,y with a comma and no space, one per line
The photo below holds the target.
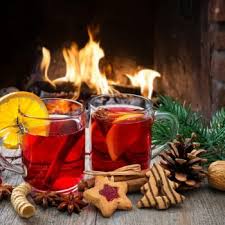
159,192
108,196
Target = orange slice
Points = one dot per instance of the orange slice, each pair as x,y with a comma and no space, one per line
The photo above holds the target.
128,116
120,138
11,120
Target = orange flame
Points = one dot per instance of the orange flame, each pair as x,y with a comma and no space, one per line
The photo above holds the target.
83,66
89,58
72,65
45,63
144,79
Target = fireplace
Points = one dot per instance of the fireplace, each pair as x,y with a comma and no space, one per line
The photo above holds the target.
183,40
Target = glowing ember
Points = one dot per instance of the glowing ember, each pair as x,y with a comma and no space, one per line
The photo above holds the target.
60,106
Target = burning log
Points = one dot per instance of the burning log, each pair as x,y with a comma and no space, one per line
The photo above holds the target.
65,86
86,92
67,95
46,89
62,89
38,86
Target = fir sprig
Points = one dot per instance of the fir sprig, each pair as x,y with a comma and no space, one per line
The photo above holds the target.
189,121
215,136
211,137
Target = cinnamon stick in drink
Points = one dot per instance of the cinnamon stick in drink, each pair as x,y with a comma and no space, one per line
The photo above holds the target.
60,158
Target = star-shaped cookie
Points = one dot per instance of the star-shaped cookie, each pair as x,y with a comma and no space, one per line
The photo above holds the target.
108,196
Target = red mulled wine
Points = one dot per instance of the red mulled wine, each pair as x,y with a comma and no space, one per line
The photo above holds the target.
121,135
55,162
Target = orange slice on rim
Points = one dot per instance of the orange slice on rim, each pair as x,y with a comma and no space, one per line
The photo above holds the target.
11,120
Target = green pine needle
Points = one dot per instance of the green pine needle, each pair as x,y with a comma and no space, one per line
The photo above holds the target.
216,137
211,137
189,121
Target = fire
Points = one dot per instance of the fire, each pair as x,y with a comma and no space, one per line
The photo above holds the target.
89,58
144,79
82,66
46,59
72,65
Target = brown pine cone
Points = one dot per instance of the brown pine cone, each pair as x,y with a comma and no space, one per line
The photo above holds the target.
184,163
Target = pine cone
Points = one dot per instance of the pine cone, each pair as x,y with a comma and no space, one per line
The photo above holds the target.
184,163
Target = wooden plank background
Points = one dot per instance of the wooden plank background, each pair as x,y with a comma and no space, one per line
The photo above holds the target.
181,52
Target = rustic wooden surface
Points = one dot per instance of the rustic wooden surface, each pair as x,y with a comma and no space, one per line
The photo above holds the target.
201,207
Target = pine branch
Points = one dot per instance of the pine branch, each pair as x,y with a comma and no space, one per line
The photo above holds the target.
216,137
189,122
211,138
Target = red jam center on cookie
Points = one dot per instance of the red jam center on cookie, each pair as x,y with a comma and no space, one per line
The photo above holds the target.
109,192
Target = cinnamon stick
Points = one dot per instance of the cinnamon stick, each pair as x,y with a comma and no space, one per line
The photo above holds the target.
134,182
134,185
57,163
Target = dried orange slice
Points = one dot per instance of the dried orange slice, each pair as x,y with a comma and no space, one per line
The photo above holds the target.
11,120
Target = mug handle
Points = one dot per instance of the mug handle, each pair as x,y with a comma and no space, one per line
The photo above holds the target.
5,164
175,126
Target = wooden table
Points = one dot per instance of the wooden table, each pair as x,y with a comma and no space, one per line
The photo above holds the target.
201,207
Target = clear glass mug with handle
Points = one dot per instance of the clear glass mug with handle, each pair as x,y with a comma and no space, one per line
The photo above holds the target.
53,148
120,130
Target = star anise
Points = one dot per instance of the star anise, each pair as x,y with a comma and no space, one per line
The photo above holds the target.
5,191
72,202
46,198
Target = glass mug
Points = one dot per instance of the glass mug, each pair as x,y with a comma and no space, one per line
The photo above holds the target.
120,129
53,154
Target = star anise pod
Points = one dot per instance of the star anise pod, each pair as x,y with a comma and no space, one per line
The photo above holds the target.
72,202
46,198
5,191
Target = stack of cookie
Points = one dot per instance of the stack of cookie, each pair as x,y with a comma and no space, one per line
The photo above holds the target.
159,192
